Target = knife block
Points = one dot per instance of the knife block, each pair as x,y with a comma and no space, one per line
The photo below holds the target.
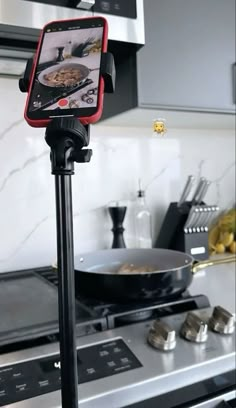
173,236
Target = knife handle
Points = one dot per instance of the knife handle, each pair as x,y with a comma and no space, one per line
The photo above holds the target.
203,191
186,190
198,190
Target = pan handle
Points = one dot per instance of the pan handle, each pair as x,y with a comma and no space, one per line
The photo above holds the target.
93,69
198,266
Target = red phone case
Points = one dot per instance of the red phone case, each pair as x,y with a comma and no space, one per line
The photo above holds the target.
84,120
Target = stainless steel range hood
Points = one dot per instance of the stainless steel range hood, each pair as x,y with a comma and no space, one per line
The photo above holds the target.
21,21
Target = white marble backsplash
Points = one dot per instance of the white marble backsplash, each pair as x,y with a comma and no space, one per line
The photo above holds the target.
120,157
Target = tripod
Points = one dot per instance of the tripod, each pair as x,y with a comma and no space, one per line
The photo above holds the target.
68,139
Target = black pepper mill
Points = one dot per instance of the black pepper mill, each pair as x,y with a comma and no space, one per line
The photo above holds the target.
117,215
60,54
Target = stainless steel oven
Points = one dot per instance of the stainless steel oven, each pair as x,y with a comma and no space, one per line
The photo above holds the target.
22,19
118,365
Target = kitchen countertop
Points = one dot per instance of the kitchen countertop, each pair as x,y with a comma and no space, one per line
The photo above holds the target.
218,282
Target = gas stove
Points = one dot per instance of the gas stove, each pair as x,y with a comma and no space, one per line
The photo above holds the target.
180,353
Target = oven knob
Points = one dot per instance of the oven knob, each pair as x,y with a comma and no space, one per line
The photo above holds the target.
222,321
161,336
194,328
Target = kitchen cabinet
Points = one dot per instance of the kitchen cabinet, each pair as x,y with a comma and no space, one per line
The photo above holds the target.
188,59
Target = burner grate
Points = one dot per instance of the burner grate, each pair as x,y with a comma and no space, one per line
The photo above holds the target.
125,317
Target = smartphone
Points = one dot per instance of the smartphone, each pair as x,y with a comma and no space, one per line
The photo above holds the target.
66,76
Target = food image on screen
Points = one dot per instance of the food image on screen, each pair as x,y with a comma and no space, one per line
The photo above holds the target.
68,69
63,77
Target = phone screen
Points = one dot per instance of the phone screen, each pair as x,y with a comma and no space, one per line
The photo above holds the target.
67,76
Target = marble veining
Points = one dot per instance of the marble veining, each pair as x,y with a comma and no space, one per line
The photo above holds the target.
28,162
217,182
10,127
121,156
160,174
24,241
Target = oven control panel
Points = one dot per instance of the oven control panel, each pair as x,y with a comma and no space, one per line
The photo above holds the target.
122,8
36,377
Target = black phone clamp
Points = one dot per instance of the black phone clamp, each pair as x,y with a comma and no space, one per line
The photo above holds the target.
68,139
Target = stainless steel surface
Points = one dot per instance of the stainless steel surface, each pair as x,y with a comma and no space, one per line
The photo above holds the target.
162,336
161,372
186,190
191,217
195,220
215,402
213,214
12,66
194,328
201,190
199,218
203,220
204,190
21,19
222,321
85,4
198,189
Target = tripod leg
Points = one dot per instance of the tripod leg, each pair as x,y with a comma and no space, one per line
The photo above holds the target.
66,287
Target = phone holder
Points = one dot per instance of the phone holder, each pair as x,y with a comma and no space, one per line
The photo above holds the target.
68,139
108,73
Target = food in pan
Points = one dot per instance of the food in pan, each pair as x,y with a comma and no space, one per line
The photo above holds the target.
131,268
64,77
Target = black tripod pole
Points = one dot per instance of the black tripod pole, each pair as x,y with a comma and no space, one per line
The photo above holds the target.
66,291
66,137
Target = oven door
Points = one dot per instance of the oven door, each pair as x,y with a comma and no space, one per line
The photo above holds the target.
227,400
215,392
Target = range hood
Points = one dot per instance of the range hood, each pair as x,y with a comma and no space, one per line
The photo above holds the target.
21,21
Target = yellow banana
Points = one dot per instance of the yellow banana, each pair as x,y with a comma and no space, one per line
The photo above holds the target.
226,238
213,236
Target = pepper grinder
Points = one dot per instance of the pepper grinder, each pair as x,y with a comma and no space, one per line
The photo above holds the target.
117,215
60,54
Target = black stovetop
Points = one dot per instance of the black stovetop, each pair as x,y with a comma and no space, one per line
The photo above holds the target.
91,315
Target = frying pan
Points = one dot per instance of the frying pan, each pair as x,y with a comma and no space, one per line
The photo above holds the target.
96,274
85,71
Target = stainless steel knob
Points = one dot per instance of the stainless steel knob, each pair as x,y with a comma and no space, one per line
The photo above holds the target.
194,328
222,321
161,336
